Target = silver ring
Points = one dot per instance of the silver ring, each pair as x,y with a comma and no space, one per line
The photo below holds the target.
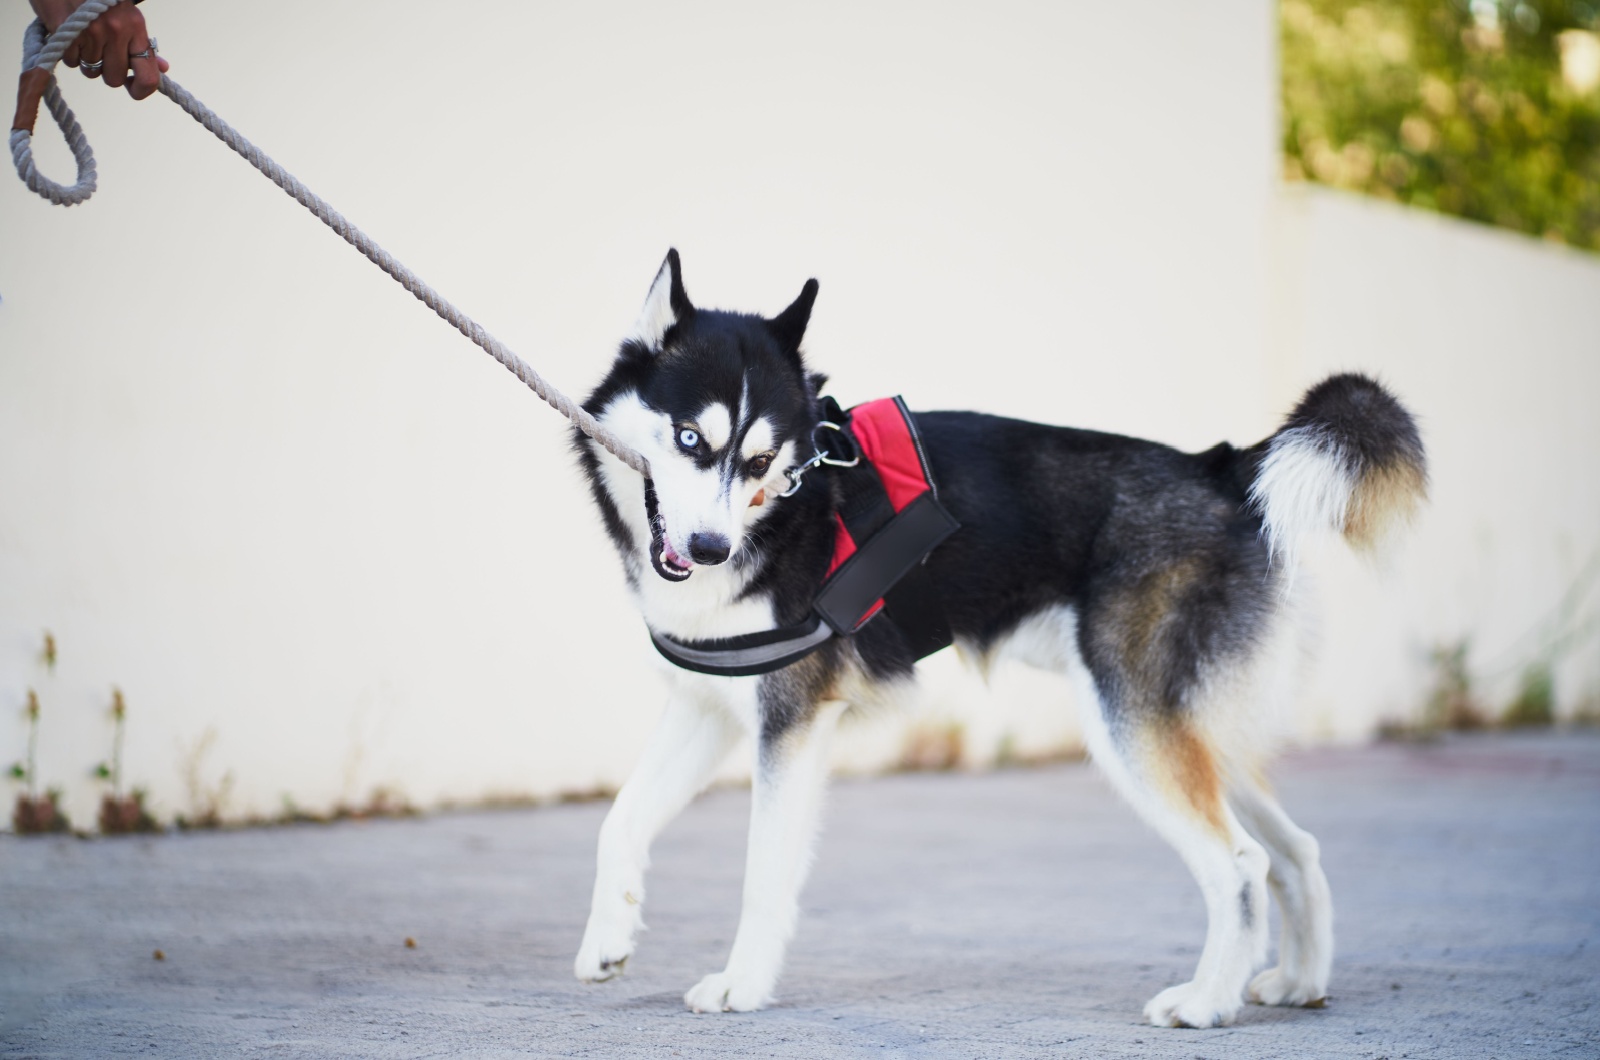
148,53
91,68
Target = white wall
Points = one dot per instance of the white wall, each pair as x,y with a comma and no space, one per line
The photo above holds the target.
249,480
1493,338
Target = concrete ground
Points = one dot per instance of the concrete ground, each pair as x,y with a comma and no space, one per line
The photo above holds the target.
1016,914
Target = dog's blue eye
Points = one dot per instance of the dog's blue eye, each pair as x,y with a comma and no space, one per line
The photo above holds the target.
689,438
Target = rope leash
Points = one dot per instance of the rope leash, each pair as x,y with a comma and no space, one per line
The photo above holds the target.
40,54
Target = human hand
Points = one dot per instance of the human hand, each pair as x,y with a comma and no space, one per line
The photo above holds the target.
115,48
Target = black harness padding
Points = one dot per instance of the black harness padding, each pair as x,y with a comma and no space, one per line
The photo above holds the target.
889,564
886,565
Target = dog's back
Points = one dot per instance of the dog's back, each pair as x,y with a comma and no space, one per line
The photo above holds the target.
1175,561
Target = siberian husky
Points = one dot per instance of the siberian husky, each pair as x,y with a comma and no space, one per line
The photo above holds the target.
1159,579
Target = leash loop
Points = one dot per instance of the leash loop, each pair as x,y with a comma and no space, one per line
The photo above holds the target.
39,55
41,51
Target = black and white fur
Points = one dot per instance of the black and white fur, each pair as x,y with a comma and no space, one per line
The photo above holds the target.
1159,580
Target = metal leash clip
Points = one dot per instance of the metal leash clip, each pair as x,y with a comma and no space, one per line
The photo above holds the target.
821,455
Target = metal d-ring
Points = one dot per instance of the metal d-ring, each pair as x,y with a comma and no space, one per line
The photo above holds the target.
819,455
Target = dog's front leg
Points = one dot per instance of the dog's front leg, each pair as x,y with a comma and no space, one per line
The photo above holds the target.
692,738
786,800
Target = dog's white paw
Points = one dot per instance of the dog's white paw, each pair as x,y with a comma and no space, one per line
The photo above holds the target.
598,962
1190,1005
1275,986
728,992
607,945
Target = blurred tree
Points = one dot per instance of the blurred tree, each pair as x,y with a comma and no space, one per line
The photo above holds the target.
1486,109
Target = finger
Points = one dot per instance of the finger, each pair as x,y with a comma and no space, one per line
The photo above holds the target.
146,77
120,46
90,46
70,56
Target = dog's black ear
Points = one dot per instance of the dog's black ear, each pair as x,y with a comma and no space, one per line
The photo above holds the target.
789,326
665,307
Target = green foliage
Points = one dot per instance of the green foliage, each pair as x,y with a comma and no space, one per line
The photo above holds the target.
1457,106
1536,698
1452,704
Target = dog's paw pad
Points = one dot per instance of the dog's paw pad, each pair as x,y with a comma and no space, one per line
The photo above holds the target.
1186,1005
1276,987
723,992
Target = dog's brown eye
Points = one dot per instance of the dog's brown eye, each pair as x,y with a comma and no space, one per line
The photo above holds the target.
760,464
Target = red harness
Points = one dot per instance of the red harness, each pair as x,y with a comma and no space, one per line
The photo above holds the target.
888,440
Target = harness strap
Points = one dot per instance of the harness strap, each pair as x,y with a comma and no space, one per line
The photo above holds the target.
891,554
746,656
914,603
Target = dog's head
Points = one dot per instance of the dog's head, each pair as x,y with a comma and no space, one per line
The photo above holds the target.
720,405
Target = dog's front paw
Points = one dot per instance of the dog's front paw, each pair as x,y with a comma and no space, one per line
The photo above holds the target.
728,992
1276,986
597,962
607,945
1188,1005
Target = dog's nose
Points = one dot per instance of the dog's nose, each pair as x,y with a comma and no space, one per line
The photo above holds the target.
708,548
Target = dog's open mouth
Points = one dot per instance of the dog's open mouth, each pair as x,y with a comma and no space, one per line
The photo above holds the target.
667,562
663,557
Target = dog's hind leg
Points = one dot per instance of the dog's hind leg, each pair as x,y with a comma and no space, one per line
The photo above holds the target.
785,805
1305,949
1169,773
1156,753
692,738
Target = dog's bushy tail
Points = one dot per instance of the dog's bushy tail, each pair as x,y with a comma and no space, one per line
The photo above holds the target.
1348,458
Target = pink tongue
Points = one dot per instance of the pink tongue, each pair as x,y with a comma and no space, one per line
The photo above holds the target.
673,557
